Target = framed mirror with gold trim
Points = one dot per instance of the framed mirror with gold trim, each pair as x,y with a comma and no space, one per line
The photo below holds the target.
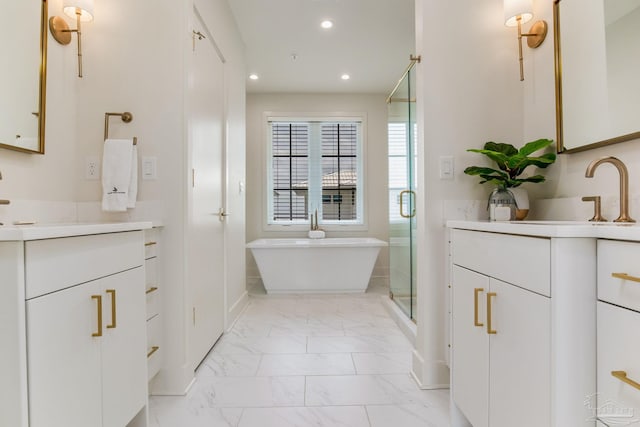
597,64
23,43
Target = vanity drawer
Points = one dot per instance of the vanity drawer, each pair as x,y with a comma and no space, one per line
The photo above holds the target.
152,289
616,257
618,350
520,260
54,264
154,350
150,243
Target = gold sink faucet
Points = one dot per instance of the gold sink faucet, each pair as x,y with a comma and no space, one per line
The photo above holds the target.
624,184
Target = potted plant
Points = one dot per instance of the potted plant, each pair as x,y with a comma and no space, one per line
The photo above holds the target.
512,162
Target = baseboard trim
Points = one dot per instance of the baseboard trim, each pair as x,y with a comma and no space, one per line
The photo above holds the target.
408,328
172,382
236,310
437,370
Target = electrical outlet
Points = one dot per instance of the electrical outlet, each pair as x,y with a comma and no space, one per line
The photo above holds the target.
91,168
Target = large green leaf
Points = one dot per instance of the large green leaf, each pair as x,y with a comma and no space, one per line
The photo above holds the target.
501,159
533,146
506,149
478,170
535,178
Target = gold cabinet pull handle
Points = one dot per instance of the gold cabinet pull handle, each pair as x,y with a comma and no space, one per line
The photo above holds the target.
622,376
153,350
112,292
151,243
625,276
490,329
151,289
98,299
476,322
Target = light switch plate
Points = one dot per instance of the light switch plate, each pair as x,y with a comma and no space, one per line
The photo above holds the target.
446,167
149,168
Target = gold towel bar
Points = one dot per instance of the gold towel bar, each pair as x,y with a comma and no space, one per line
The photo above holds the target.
126,117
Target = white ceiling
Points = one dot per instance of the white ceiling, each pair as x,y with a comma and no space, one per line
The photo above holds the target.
371,40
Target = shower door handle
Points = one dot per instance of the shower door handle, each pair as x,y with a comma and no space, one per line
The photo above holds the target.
411,194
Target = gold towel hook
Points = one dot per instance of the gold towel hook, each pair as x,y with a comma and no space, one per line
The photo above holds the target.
126,117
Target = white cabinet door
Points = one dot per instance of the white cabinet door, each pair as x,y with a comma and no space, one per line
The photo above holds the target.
618,401
124,364
470,347
63,359
520,365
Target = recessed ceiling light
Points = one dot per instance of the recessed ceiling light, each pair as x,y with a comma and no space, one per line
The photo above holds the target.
326,24
253,76
345,77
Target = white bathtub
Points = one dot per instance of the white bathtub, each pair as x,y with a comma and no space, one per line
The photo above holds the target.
316,265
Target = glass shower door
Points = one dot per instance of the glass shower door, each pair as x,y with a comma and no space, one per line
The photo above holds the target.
402,188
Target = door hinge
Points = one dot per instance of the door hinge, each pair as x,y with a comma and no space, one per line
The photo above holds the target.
194,316
193,178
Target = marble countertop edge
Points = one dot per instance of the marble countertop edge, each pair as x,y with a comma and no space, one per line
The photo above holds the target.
566,229
56,230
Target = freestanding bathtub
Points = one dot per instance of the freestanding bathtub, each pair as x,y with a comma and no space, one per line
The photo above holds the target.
316,265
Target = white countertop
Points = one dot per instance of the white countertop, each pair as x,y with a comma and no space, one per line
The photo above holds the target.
53,230
601,230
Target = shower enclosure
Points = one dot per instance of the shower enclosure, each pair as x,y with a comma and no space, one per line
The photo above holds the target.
401,106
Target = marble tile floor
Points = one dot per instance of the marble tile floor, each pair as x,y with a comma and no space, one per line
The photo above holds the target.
307,361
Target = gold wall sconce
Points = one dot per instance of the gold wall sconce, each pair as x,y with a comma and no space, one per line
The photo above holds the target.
518,12
82,10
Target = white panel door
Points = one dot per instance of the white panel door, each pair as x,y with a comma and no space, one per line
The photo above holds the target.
65,387
470,346
124,359
205,234
520,361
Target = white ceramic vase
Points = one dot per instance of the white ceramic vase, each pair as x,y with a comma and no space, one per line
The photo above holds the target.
522,202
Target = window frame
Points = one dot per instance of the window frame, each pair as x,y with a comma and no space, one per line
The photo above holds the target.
298,226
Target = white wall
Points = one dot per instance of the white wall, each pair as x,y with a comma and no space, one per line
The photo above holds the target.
134,60
48,177
376,198
468,93
565,179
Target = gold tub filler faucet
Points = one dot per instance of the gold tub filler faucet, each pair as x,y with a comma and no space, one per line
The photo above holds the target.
624,189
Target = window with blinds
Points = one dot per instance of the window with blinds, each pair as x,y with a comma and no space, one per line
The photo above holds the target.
315,165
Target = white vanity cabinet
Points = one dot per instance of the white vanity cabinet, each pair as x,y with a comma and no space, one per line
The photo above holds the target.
618,377
517,357
501,333
79,330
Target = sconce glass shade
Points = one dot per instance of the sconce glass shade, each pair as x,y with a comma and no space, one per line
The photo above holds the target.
86,6
515,8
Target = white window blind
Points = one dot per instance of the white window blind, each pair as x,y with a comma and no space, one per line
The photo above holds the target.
399,166
315,165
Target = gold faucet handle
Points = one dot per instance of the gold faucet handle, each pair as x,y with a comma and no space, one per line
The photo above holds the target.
597,216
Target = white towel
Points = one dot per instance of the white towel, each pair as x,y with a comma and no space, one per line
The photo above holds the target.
133,183
116,174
